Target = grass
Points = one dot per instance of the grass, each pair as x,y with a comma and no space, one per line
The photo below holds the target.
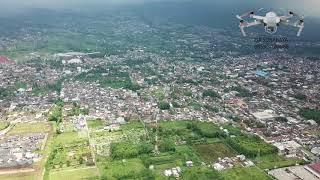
75,174
174,124
68,137
21,176
240,173
159,94
23,128
275,161
211,152
95,123
120,169
251,146
3,125
133,125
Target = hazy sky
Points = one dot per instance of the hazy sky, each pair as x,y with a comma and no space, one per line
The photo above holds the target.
307,7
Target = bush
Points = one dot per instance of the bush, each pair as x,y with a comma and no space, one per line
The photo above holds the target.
200,173
251,146
164,105
210,93
313,114
205,129
127,149
167,145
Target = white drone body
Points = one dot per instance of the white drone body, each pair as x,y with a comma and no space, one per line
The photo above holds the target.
271,22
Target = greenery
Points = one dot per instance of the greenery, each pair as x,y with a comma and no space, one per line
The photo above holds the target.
163,105
210,93
300,96
206,129
211,108
23,128
211,152
200,173
55,114
313,114
167,145
124,169
128,149
281,119
241,92
75,174
95,123
6,93
272,161
251,146
242,173
3,125
77,110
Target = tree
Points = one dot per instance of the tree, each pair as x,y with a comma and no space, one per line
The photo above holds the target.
308,114
164,105
210,93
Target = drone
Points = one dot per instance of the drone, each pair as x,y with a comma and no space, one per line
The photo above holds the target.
271,21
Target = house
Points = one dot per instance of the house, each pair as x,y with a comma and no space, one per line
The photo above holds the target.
189,163
218,167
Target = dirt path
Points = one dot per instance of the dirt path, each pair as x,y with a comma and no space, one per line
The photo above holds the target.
15,171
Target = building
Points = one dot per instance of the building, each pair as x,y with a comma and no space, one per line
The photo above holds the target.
288,148
263,116
6,60
314,169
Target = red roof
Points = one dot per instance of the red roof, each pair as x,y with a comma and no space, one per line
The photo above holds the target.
5,60
315,167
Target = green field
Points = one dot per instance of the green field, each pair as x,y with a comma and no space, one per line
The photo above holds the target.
211,152
129,169
22,128
129,160
22,176
3,125
275,161
240,173
75,174
68,137
95,123
251,146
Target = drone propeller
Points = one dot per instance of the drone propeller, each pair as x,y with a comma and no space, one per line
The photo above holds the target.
250,13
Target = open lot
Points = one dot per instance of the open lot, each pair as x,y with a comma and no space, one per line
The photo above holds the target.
37,127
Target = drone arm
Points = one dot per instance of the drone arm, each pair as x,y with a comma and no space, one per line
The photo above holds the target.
247,24
300,29
299,24
285,18
257,17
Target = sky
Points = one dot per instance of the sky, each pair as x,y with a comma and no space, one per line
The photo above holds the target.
307,7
